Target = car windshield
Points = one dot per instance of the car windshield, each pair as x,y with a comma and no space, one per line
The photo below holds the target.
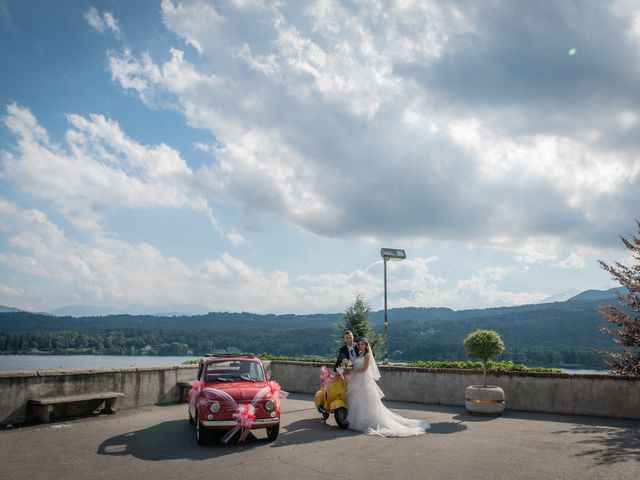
233,371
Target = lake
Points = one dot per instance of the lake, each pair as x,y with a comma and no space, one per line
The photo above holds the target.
41,362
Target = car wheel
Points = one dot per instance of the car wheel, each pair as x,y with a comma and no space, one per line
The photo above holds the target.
202,434
272,432
341,417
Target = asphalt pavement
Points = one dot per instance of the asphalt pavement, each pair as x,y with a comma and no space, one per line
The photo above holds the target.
158,443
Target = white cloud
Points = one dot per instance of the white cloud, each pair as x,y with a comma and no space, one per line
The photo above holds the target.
100,170
573,261
192,19
10,292
102,22
482,289
106,271
329,117
421,122
236,239
583,175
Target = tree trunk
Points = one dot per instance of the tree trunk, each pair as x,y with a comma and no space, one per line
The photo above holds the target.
484,368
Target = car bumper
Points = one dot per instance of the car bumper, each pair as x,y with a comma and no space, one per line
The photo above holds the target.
257,423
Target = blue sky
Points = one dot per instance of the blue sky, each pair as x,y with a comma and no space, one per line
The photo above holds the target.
255,156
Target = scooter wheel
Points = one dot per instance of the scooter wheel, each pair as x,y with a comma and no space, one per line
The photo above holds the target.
341,417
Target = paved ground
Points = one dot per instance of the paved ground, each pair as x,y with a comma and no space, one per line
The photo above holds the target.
158,443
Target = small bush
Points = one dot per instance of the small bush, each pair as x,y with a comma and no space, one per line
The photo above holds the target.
484,344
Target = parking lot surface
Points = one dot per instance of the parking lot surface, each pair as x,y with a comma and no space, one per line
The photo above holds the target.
159,443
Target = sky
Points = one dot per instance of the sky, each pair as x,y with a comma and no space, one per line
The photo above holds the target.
255,156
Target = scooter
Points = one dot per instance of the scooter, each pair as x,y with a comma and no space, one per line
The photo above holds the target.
332,397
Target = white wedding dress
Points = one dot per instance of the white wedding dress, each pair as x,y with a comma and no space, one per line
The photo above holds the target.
366,411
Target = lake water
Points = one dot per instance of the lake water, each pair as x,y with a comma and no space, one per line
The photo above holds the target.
41,362
578,371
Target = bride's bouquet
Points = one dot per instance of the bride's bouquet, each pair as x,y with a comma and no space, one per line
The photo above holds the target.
345,367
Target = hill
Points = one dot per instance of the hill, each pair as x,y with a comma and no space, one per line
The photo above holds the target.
548,334
136,309
4,309
610,294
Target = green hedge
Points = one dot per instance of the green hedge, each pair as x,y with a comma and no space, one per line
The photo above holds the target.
492,367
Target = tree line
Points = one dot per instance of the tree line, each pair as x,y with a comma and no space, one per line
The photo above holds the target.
286,342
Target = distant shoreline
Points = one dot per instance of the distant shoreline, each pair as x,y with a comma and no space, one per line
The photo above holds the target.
38,361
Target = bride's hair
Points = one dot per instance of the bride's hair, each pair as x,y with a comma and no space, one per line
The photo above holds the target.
368,350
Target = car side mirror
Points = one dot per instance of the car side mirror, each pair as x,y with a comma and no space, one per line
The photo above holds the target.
268,375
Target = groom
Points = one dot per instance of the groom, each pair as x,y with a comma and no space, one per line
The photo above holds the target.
348,351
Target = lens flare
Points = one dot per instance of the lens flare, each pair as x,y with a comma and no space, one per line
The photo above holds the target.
572,52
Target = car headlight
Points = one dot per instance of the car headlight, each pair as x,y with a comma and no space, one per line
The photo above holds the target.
214,407
269,405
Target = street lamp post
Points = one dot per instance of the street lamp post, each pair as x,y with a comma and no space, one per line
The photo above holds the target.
388,254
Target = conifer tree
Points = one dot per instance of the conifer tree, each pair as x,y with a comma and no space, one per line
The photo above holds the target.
356,318
627,325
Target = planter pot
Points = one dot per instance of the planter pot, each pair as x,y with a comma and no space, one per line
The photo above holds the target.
485,400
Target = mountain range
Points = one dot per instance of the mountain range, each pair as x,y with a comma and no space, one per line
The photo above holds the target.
135,309
78,311
547,334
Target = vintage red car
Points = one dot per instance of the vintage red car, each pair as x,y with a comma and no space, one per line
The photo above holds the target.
232,396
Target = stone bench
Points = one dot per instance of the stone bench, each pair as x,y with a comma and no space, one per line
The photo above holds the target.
44,407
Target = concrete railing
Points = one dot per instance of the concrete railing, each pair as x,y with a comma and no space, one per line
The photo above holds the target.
594,395
140,385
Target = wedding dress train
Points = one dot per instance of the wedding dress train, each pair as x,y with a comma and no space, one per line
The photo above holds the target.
367,412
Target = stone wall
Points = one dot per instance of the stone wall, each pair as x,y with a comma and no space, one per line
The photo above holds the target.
594,395
141,386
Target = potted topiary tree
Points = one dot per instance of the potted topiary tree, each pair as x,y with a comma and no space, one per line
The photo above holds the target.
484,344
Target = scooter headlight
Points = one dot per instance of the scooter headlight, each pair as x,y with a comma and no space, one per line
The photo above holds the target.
269,405
214,407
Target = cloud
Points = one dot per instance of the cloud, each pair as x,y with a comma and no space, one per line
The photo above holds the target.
107,271
236,239
10,292
102,22
191,20
573,261
425,123
6,20
99,170
482,289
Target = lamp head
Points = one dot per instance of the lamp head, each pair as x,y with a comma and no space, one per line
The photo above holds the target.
392,253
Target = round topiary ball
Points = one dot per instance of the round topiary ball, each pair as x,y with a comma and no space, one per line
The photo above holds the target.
484,344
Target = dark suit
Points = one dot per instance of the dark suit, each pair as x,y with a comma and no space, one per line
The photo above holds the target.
344,353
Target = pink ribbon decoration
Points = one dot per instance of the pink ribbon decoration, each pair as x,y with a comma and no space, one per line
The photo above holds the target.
327,376
277,393
244,414
196,387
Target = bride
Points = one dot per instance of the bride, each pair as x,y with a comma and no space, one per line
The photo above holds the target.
366,411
